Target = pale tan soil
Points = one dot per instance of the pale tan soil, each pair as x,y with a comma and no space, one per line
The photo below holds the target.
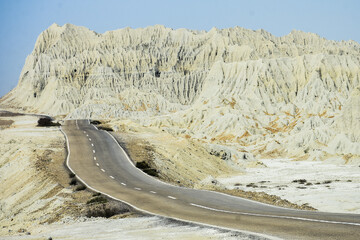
185,162
37,202
34,181
149,228
261,197
325,186
177,160
5,123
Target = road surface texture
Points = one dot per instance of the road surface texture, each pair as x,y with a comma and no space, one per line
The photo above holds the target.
98,160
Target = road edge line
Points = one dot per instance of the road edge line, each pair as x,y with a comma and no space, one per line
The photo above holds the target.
154,214
244,213
274,216
224,194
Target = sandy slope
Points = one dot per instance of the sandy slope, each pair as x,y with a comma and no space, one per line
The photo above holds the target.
210,105
37,202
29,194
328,187
132,228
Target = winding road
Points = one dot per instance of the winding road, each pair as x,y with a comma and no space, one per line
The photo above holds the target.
99,162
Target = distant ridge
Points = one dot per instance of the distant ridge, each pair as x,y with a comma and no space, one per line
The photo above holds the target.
296,96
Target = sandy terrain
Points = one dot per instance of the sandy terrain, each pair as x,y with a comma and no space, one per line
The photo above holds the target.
325,186
37,200
329,185
227,110
131,228
183,161
177,159
31,195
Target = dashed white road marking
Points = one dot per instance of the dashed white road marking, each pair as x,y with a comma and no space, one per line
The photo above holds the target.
139,189
123,184
111,177
94,158
84,131
240,213
87,135
103,170
201,206
97,164
89,139
93,151
92,144
153,192
171,197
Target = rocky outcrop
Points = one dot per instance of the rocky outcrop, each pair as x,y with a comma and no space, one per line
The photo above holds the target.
294,96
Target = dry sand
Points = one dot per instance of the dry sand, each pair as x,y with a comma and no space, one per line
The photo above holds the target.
326,186
37,201
131,229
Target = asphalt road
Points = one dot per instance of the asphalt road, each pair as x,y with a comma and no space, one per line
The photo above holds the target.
99,161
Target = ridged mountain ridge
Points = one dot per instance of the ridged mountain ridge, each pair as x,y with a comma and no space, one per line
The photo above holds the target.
295,95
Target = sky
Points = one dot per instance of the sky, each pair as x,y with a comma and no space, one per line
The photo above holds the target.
23,20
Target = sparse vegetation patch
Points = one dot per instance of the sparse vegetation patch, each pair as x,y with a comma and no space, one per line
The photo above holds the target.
300,181
107,210
144,166
105,128
151,171
81,187
73,181
47,122
97,200
95,122
253,185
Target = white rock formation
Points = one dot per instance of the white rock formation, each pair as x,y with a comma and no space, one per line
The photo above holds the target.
295,96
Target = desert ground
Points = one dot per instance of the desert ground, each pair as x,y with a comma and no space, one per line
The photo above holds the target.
239,111
39,200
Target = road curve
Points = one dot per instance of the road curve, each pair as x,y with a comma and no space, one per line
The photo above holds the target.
98,160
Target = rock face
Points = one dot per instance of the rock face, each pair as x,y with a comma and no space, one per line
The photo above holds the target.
292,96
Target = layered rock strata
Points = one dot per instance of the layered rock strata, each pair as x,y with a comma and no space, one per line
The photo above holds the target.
264,96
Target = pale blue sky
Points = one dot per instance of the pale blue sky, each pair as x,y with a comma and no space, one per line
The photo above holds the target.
23,20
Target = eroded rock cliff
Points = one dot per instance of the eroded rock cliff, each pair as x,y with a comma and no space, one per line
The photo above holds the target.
295,96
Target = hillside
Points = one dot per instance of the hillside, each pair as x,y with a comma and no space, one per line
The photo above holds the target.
232,95
296,95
